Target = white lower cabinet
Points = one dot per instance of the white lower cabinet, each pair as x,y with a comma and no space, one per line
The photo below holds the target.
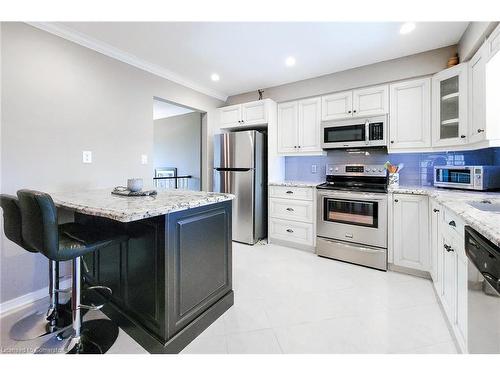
411,231
450,278
292,216
428,237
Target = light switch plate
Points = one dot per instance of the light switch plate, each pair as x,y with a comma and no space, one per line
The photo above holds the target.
314,168
144,159
87,157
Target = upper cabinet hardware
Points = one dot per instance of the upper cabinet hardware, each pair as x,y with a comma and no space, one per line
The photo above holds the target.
436,210
452,223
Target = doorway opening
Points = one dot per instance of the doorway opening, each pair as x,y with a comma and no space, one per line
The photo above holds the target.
177,146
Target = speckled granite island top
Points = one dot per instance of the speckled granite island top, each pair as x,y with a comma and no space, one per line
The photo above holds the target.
485,222
102,203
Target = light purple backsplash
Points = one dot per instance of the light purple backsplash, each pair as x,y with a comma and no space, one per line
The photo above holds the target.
418,169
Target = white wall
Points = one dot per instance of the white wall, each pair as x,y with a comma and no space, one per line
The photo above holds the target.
420,64
475,34
177,144
59,98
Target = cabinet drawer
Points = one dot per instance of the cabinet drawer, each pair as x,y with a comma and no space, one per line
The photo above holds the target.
291,231
453,223
303,193
289,209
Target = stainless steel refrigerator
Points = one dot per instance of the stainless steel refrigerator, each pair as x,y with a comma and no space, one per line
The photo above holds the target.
240,168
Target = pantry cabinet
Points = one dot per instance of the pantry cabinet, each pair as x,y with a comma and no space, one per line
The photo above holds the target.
449,106
410,114
299,127
370,101
411,231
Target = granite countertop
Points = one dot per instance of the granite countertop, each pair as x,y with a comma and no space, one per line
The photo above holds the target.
294,183
485,222
102,203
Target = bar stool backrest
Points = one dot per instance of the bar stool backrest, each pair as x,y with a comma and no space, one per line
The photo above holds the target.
39,222
12,221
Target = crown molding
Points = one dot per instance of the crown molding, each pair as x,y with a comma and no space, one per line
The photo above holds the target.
115,53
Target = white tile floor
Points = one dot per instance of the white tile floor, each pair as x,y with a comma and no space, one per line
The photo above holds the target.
291,301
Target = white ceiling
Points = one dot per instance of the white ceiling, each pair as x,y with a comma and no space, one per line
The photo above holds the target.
248,56
163,109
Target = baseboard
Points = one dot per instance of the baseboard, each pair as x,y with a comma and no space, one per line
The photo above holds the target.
409,271
15,304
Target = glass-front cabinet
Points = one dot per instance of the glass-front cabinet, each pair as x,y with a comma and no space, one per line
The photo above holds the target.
449,91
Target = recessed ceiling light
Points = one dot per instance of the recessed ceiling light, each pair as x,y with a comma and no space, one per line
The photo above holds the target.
407,27
215,77
290,61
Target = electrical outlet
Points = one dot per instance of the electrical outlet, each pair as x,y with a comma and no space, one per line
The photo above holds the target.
144,159
314,168
87,157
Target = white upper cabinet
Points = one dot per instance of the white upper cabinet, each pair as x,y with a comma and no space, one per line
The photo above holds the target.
411,231
230,116
246,114
477,95
410,114
449,100
254,113
288,132
310,125
336,106
299,125
371,101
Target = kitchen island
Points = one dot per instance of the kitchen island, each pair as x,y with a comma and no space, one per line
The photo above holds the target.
172,278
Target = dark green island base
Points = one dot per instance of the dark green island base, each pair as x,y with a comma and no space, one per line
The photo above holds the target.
171,279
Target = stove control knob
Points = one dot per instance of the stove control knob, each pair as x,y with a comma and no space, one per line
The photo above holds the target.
380,170
336,169
367,169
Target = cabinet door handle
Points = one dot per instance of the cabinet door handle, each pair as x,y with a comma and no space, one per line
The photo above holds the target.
354,111
289,192
289,230
462,136
298,146
480,130
396,200
452,223
290,209
349,111
392,141
435,210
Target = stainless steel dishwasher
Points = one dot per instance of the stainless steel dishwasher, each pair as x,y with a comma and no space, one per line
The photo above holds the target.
483,297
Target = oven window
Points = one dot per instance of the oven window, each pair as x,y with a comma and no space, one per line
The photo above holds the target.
457,176
351,133
345,211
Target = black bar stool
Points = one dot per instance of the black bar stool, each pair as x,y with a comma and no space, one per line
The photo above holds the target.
40,230
39,323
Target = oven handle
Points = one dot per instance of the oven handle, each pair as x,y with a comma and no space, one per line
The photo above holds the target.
355,196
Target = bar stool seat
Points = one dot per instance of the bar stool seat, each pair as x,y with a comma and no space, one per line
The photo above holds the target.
39,323
40,229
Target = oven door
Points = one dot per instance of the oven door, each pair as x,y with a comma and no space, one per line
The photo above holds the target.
353,217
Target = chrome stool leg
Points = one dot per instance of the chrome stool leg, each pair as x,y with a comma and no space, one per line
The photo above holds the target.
91,337
42,323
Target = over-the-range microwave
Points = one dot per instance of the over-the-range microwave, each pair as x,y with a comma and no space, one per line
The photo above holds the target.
354,133
472,177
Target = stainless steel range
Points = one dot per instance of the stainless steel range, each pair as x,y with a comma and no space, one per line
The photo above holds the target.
352,215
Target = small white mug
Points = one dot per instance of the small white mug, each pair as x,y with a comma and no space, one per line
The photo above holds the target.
134,184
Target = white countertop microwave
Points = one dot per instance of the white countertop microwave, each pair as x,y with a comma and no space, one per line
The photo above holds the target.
473,177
